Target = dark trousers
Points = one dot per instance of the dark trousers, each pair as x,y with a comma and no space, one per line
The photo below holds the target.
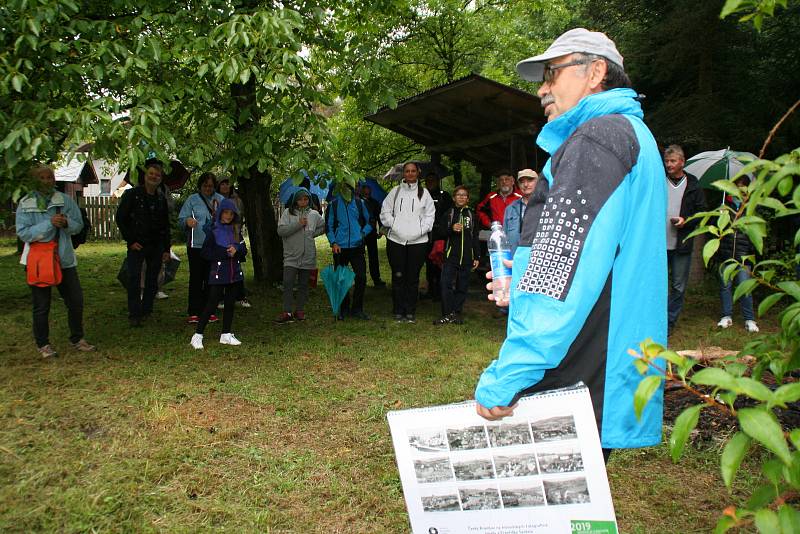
198,281
455,282
71,292
433,275
140,302
226,293
371,242
355,258
406,262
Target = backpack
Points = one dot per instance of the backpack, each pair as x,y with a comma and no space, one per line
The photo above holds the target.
361,220
80,238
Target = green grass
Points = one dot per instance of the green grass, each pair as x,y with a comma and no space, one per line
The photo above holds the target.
286,433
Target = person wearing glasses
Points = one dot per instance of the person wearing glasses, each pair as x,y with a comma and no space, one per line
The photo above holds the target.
589,278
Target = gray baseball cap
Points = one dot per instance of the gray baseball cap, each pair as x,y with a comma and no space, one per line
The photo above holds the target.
576,40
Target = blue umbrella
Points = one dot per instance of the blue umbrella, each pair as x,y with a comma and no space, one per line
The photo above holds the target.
337,283
316,189
376,191
286,191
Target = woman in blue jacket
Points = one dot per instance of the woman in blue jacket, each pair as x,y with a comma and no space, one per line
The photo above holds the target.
195,216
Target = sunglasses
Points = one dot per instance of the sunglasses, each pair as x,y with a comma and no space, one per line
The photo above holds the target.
550,71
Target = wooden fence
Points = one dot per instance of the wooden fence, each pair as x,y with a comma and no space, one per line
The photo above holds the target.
101,211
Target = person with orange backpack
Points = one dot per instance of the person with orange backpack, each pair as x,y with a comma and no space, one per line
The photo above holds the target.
46,220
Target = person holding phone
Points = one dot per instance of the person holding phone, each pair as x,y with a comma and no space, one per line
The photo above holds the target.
685,198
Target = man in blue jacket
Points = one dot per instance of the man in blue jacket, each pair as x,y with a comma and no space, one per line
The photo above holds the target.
346,224
589,277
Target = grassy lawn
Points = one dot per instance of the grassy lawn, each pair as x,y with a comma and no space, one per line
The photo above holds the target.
286,433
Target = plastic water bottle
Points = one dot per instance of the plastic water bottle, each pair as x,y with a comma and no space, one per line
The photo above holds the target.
499,250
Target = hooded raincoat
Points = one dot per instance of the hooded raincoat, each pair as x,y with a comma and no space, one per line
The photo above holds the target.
299,248
224,268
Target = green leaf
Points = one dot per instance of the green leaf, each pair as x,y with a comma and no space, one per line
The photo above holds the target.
714,376
16,82
767,521
644,392
794,437
744,288
732,456
756,233
641,365
731,6
684,424
729,187
772,470
709,249
753,389
764,428
792,288
762,496
769,302
730,271
201,71
724,524
789,519
787,393
785,186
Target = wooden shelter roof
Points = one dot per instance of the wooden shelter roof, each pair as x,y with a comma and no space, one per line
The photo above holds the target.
474,119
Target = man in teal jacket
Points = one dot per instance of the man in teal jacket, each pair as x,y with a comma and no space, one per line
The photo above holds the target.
46,215
588,279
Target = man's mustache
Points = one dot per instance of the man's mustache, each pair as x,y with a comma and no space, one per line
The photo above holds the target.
547,100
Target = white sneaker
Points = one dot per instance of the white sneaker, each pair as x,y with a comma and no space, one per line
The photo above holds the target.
244,303
197,341
751,326
161,295
725,322
221,306
229,339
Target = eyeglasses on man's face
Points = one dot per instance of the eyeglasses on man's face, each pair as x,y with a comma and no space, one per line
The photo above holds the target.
550,71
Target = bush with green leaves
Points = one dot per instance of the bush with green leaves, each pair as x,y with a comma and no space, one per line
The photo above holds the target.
763,377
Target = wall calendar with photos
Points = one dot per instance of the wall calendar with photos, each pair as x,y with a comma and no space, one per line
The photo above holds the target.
540,471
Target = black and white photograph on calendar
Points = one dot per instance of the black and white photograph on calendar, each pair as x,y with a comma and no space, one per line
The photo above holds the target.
522,494
515,465
479,497
507,434
563,459
433,470
473,467
554,428
428,440
566,491
440,500
467,438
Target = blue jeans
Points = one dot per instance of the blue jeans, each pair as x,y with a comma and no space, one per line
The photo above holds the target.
678,265
726,295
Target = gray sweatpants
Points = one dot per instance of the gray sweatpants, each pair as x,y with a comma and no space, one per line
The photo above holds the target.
290,274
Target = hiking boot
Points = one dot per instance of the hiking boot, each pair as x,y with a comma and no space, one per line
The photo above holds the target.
160,295
299,315
193,319
399,318
83,346
284,318
213,318
725,322
197,342
751,326
456,318
442,320
411,318
360,315
47,352
244,303
229,339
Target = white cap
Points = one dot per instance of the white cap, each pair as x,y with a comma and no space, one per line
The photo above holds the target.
527,173
571,42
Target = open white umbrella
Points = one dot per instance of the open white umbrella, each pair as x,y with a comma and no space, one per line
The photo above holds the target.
715,165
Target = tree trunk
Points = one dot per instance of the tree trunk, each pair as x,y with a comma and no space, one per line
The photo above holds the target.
266,248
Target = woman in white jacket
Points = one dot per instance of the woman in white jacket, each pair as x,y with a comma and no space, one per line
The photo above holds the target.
408,212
